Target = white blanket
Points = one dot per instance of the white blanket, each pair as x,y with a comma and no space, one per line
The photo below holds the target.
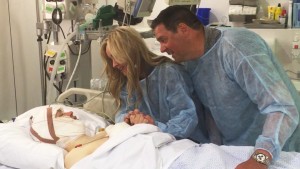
143,146
210,156
136,147
5,167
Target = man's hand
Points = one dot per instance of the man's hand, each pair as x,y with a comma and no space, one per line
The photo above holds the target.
136,117
251,163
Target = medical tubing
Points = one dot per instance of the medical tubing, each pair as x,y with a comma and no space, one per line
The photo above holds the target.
56,63
62,31
75,68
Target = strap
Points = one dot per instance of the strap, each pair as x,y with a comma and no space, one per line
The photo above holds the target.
50,128
50,124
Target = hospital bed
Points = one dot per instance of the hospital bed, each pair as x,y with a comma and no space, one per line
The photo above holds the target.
139,146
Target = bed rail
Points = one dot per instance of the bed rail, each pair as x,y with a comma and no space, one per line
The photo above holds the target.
99,102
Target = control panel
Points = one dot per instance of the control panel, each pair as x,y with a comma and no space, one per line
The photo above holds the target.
50,57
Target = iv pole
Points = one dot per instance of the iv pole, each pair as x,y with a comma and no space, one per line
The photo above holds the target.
39,32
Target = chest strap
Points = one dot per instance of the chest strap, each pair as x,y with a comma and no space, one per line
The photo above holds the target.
50,128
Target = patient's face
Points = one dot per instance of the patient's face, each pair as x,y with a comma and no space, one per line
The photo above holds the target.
61,113
115,63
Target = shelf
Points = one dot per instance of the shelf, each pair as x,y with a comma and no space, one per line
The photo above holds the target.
243,2
264,26
242,18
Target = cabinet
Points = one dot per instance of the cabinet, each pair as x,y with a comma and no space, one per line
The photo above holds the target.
242,10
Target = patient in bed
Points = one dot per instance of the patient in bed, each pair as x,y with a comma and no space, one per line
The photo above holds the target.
68,132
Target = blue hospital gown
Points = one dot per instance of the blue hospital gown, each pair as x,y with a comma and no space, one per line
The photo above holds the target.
241,83
167,98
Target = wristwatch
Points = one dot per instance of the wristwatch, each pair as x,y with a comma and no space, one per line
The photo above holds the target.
261,158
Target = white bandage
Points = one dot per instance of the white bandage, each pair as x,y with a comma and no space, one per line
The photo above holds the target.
66,128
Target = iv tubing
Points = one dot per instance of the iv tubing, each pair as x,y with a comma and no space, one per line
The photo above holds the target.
54,71
75,68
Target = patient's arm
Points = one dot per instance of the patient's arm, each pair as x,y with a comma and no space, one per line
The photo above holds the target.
82,147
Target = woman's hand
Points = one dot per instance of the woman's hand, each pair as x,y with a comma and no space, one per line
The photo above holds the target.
137,117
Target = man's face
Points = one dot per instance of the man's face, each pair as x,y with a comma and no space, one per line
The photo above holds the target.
170,42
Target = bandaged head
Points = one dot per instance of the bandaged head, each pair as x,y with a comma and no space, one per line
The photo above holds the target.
56,127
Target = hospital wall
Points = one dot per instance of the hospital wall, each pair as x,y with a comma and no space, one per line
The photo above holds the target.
7,90
20,86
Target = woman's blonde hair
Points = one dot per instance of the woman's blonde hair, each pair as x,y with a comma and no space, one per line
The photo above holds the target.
127,47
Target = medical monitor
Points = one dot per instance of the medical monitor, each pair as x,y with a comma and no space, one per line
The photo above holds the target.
137,8
183,2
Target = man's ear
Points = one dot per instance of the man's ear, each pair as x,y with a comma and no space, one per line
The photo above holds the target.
182,27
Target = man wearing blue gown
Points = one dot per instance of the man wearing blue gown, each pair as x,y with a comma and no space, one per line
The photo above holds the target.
248,98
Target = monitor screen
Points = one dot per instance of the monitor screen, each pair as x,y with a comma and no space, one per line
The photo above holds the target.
137,8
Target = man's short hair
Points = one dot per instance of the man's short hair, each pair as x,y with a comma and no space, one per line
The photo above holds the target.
173,15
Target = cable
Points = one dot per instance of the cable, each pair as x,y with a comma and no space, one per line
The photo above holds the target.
85,51
129,20
48,37
72,25
47,76
124,19
63,33
75,68
125,15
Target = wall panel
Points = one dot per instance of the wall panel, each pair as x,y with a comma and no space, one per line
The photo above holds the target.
7,87
25,52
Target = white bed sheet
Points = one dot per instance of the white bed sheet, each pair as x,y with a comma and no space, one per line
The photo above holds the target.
164,153
136,147
210,156
5,167
126,152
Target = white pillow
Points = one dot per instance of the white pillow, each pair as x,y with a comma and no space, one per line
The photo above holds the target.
18,150
91,121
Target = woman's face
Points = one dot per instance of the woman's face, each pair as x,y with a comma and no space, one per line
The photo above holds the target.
115,63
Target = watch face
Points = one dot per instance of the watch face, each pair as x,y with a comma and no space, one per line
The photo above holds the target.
260,157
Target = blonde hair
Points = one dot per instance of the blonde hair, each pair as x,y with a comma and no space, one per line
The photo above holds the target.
127,46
